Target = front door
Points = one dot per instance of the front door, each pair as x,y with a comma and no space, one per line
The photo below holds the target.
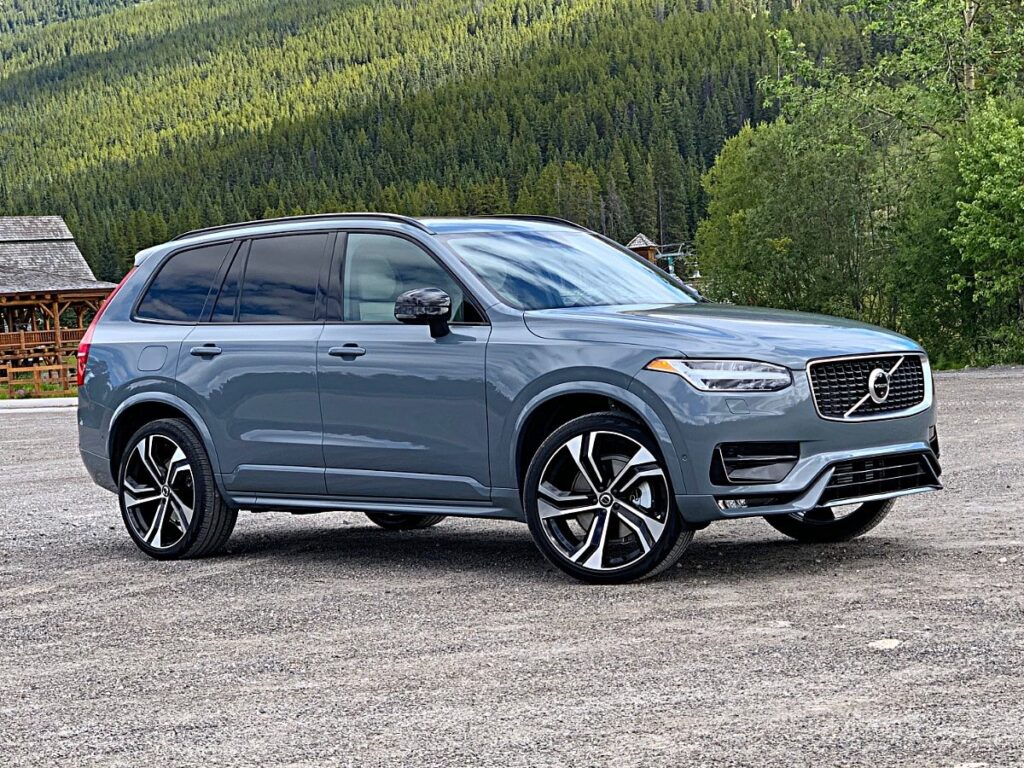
250,369
405,415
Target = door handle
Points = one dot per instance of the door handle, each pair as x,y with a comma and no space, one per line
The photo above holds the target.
347,351
207,350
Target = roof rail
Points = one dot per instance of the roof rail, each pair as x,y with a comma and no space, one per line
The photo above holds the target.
308,217
532,217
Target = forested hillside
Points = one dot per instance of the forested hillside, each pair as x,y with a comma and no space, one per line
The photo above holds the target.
17,14
136,121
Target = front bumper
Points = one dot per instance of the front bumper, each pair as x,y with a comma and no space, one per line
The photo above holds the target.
699,422
824,491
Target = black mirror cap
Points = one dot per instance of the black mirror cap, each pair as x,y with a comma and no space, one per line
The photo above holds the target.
425,306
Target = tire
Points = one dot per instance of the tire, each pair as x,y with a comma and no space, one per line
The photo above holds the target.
611,520
163,469
815,527
398,521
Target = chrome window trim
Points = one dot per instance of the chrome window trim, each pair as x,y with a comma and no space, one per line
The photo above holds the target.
924,405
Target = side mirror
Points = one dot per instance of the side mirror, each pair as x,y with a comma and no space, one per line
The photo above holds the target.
425,306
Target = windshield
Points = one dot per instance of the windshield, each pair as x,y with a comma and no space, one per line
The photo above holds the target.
554,269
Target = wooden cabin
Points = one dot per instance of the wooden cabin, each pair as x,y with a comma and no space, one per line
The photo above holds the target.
644,246
48,295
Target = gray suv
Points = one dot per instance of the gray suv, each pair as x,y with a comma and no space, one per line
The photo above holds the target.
518,368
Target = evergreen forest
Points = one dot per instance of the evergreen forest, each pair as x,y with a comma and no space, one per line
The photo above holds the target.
860,158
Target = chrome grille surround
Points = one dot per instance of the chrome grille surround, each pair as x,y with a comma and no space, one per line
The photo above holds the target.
839,386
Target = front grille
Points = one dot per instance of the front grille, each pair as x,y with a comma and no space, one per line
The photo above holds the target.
880,475
839,385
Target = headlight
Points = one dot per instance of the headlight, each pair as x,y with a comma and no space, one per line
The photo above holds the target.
727,375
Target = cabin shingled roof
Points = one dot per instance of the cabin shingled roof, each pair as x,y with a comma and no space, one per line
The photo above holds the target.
38,254
641,241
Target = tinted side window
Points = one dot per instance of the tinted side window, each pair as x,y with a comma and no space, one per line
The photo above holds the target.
179,290
281,277
378,268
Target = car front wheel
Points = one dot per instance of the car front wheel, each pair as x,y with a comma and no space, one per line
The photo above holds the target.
599,502
169,500
832,524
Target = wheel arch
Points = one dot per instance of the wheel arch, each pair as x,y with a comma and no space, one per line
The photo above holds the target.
562,403
142,409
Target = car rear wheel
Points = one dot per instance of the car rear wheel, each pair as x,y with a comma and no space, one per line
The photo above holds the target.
169,500
398,521
832,524
599,502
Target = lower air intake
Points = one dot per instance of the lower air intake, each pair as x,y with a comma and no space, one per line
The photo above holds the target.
880,475
753,463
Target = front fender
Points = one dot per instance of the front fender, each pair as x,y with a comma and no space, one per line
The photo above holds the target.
613,391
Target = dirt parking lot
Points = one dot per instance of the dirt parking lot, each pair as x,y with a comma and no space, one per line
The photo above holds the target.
325,640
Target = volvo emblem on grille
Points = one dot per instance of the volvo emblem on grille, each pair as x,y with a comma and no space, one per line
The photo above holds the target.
878,385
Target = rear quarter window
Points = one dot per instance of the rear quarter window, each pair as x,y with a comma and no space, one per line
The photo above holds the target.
179,291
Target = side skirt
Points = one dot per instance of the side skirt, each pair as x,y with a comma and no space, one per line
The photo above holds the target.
313,504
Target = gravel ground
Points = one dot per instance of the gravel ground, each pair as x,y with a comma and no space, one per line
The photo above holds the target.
325,640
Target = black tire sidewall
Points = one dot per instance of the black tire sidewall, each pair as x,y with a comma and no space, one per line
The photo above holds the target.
400,521
202,478
857,523
611,422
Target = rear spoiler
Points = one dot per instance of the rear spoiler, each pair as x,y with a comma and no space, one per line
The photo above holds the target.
144,254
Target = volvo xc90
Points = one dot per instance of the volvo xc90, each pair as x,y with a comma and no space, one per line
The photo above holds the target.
518,368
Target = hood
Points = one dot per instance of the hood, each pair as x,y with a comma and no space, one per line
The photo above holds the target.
720,330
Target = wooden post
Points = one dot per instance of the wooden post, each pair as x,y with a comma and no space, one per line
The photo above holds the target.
56,329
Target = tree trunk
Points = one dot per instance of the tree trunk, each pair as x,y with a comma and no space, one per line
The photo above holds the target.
970,12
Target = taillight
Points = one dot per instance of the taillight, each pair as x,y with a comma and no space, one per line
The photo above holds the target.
86,342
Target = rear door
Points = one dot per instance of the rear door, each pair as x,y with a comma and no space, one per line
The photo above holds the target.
405,415
145,351
250,367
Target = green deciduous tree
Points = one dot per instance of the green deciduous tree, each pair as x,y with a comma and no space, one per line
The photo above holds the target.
890,190
989,230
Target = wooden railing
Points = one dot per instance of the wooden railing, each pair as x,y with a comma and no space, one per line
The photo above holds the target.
31,339
55,379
